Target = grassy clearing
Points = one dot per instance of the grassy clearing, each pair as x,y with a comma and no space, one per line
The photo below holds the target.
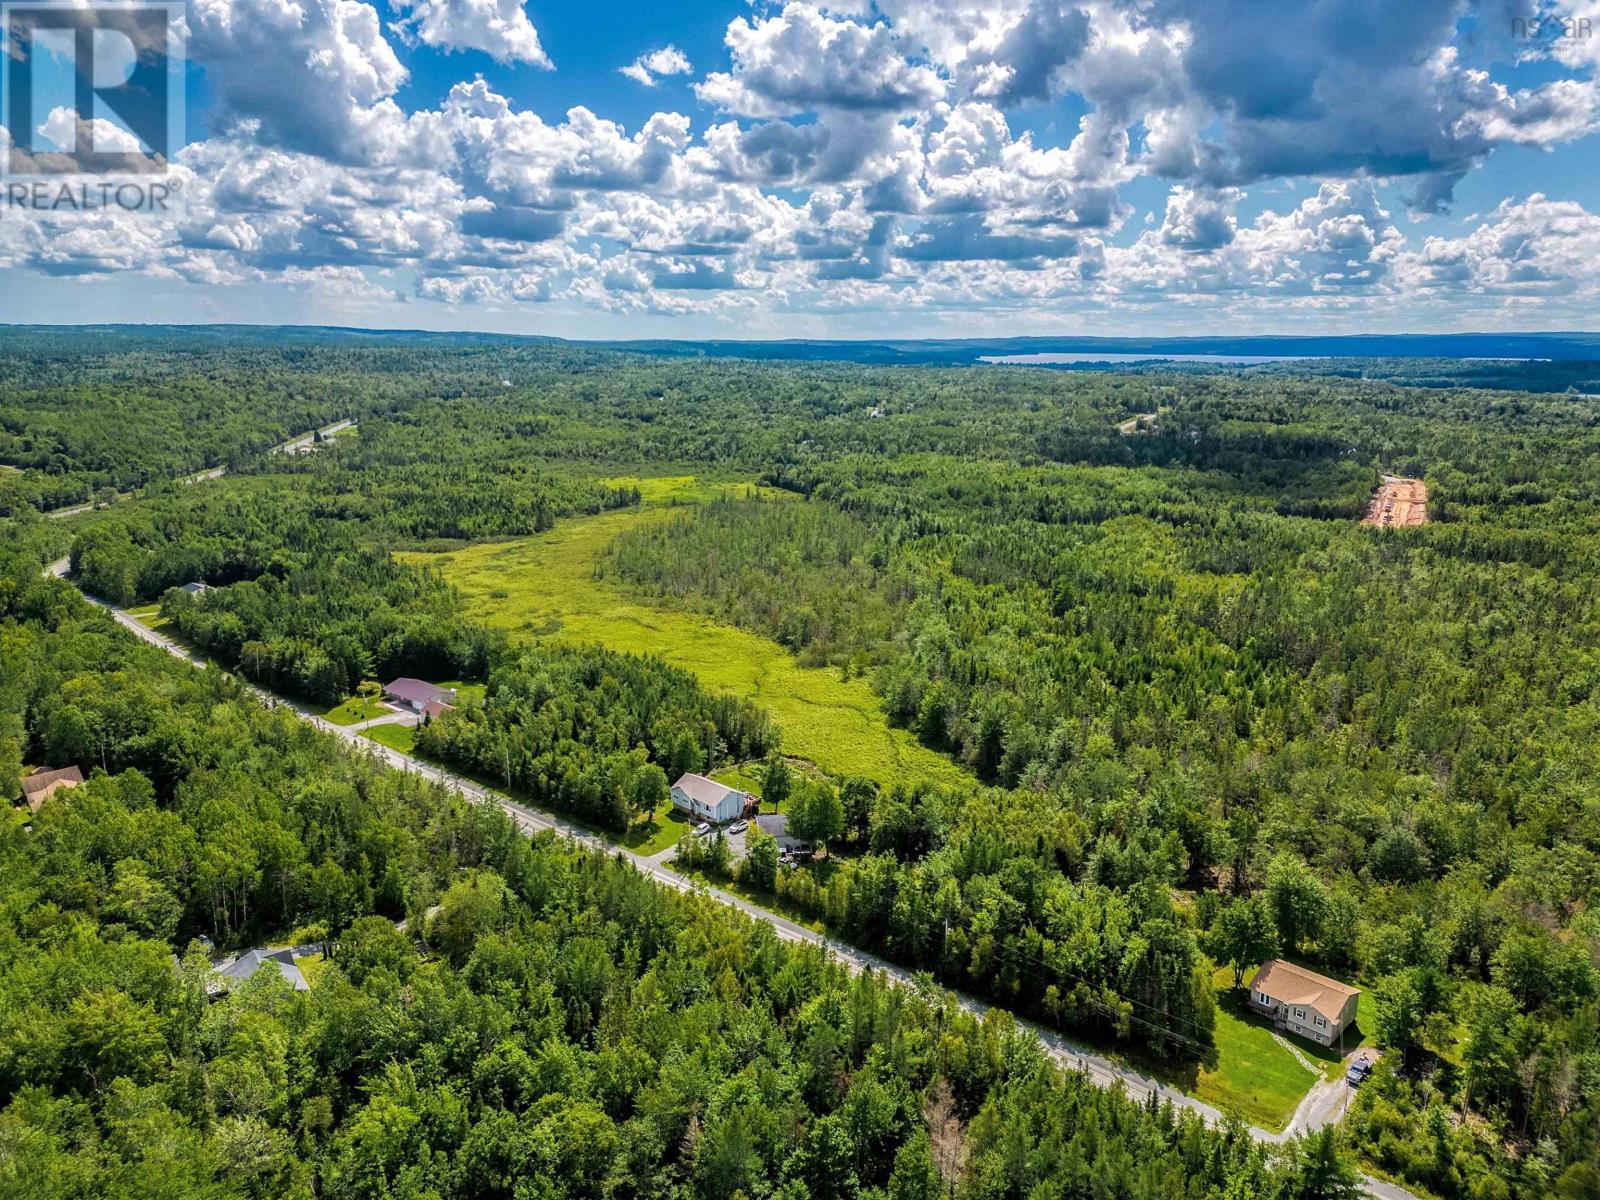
464,691
397,737
662,831
744,776
545,587
1251,1074
353,712
1254,1075
311,966
149,615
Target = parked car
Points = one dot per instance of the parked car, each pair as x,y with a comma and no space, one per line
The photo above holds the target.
738,826
702,829
1358,1072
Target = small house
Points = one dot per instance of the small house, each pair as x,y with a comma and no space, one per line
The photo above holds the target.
707,800
1303,1002
416,694
42,784
195,589
237,970
777,826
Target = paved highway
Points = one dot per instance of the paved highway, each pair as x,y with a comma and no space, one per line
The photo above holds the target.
1323,1104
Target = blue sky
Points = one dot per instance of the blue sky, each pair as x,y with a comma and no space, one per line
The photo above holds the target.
909,167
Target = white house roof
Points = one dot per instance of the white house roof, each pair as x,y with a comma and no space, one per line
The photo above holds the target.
704,791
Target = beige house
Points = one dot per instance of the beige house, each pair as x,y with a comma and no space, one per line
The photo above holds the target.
1303,1002
42,784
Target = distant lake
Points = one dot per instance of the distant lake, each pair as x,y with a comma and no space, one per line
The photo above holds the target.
1232,360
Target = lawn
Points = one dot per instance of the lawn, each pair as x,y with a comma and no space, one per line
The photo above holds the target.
1251,1073
397,737
353,712
665,826
744,776
465,691
544,587
311,966
149,615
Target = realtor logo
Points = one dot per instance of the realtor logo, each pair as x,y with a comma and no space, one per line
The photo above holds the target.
90,91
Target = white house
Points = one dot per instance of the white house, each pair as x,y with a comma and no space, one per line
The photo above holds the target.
1302,1001
707,800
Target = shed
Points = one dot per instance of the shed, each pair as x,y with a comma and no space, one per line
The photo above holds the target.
777,825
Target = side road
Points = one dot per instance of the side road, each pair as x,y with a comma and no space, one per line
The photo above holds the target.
293,446
1314,1111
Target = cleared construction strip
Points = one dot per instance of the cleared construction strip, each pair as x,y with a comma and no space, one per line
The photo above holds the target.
1399,502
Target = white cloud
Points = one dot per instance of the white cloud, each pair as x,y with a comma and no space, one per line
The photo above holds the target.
803,60
861,163
309,75
1530,248
66,131
649,69
499,28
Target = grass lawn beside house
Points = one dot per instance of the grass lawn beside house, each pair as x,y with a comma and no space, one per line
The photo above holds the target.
397,737
1254,1075
465,692
149,615
353,712
311,966
665,826
1251,1073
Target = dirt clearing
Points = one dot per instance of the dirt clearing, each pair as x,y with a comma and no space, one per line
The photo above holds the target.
1398,501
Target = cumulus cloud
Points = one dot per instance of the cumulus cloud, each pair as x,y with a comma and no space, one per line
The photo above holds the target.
315,76
803,60
649,69
499,28
1534,247
868,158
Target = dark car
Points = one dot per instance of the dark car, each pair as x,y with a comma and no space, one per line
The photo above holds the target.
1358,1072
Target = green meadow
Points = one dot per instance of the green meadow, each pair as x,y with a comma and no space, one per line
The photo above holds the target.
545,587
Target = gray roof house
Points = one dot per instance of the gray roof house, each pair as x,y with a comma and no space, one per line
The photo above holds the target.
195,589
707,800
237,970
417,694
777,825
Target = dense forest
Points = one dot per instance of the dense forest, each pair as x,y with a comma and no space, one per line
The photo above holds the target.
543,1022
595,734
1209,717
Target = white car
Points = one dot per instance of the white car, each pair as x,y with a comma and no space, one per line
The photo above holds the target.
702,829
738,826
